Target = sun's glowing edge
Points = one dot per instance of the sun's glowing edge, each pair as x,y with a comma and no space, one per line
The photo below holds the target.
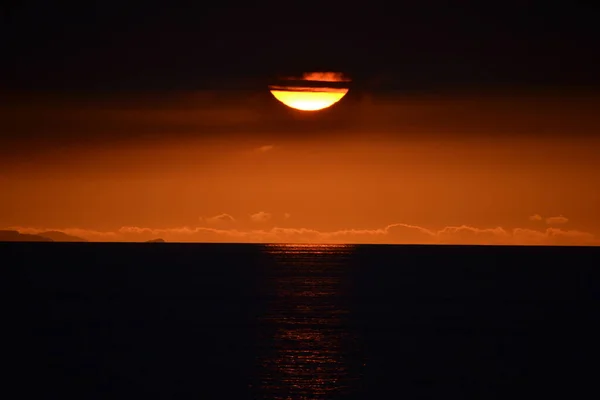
309,100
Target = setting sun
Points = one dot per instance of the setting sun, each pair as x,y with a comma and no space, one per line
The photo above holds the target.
314,91
309,100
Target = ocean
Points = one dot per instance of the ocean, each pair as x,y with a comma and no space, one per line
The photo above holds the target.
252,321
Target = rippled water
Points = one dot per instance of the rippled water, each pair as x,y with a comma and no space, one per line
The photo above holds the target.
308,353
225,321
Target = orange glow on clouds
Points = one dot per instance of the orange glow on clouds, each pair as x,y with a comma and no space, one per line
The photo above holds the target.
215,167
325,77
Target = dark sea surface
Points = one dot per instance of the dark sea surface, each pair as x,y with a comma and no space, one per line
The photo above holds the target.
235,321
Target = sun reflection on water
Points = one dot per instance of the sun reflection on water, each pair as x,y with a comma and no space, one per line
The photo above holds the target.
307,337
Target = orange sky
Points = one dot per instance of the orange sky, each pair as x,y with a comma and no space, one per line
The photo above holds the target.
450,168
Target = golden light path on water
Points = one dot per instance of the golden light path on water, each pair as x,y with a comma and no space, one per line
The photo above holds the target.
307,347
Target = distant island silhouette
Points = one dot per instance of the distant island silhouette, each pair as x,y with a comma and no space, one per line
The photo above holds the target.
16,236
49,236
159,240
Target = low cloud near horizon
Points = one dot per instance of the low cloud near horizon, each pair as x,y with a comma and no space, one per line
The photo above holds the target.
535,217
260,216
264,149
557,220
550,220
397,233
218,218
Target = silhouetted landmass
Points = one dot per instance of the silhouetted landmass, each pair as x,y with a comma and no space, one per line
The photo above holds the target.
15,236
58,236
159,240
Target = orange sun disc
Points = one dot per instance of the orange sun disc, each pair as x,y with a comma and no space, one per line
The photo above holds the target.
309,100
305,97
